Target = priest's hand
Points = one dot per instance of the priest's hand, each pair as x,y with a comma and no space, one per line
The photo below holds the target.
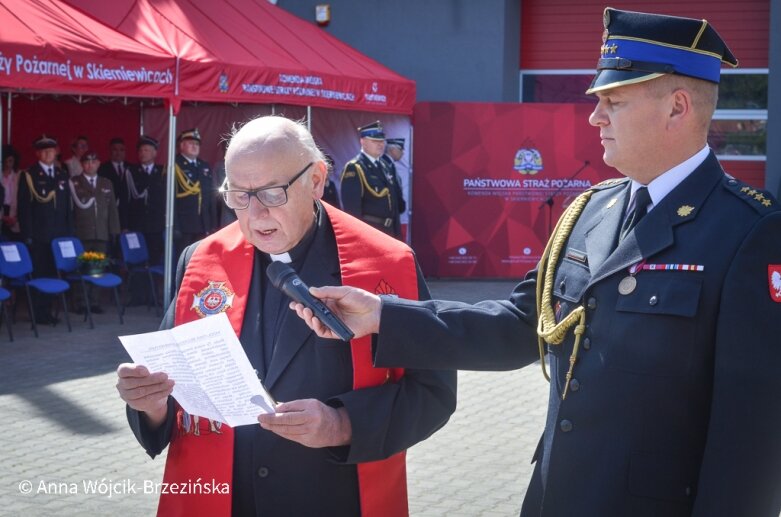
358,309
144,391
309,422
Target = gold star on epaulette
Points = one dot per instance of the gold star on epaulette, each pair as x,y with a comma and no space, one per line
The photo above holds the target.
745,189
751,192
759,197
767,202
685,210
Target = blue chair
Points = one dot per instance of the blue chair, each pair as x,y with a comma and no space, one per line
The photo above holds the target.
136,257
15,265
66,252
5,294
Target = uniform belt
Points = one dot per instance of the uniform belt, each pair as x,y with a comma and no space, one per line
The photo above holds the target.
387,222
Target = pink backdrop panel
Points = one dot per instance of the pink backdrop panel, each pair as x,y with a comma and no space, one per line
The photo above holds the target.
483,173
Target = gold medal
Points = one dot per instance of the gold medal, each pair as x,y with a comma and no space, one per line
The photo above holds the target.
627,285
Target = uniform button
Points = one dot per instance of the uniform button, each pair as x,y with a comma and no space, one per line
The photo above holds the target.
587,343
262,472
653,300
563,287
592,303
574,385
565,426
731,182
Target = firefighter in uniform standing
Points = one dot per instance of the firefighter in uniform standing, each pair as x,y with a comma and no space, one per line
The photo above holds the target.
193,218
369,189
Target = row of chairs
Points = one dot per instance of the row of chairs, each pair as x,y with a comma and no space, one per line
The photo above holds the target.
16,271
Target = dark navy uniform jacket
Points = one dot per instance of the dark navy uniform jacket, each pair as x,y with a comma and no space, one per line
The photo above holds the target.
277,477
189,217
42,222
371,192
147,215
674,406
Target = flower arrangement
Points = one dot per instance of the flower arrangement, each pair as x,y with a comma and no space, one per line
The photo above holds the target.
93,260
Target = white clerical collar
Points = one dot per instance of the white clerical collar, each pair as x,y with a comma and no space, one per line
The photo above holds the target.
667,181
282,257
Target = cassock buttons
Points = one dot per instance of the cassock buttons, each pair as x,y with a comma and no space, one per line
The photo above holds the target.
263,472
565,426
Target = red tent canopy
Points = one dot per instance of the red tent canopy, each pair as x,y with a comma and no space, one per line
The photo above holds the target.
48,46
252,51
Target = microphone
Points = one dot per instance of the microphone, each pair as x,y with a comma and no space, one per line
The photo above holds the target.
284,278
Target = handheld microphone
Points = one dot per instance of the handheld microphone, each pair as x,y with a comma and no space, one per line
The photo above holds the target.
284,278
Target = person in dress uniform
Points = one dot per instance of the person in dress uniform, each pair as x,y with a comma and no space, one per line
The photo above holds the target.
95,215
330,194
114,170
368,188
657,301
10,185
44,210
193,216
394,154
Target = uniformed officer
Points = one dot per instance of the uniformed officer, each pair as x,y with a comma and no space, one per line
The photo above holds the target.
193,218
657,301
95,215
44,214
369,190
394,154
114,170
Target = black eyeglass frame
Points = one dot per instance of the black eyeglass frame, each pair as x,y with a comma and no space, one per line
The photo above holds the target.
254,192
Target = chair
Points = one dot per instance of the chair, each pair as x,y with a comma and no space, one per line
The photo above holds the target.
5,294
136,257
16,265
66,252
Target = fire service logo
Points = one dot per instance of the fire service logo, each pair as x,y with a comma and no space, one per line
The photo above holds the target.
528,161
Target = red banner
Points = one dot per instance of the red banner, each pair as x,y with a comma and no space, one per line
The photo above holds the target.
490,180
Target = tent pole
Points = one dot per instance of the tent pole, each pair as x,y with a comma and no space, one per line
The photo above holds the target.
169,213
141,116
8,120
409,184
309,118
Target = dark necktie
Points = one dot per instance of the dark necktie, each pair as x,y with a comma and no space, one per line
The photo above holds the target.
50,172
642,200
92,182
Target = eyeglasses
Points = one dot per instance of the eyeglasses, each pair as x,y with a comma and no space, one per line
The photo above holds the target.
268,196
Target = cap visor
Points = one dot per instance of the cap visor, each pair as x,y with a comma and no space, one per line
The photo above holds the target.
607,79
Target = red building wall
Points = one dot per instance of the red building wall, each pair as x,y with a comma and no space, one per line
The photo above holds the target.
562,34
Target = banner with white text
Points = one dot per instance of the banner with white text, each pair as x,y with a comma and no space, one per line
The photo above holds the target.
491,180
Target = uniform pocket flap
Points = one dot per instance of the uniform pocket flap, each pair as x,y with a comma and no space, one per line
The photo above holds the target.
660,293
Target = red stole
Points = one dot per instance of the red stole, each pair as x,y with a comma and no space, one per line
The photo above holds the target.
221,266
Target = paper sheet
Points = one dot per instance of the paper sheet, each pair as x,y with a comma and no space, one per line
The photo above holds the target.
214,379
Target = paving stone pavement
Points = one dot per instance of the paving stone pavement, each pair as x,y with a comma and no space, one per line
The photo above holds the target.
66,444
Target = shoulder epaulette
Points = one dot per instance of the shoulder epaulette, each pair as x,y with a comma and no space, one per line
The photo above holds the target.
609,183
761,200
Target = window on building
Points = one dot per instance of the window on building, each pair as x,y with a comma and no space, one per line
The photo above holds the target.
739,127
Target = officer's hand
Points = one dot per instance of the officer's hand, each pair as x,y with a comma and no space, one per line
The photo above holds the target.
358,309
309,422
144,391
